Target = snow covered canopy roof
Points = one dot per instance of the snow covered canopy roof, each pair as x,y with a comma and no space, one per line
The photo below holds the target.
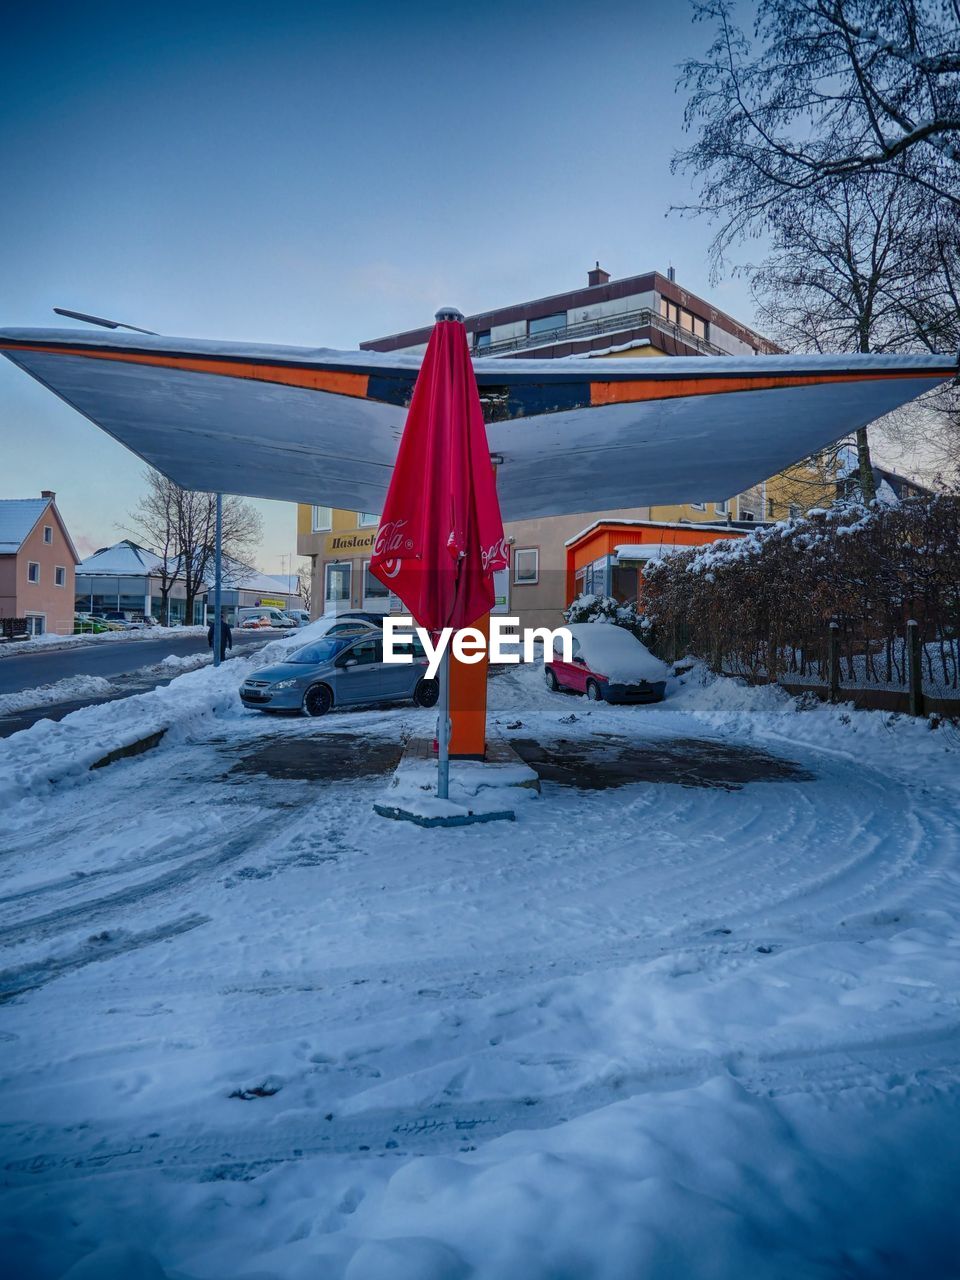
125,559
18,516
322,426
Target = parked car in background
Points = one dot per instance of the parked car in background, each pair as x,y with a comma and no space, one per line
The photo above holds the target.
265,616
344,624
87,624
340,671
300,616
125,621
107,624
608,664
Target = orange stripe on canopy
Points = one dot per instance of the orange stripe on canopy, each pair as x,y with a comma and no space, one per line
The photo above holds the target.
664,389
344,384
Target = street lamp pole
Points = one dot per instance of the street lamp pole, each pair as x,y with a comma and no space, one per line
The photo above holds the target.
217,581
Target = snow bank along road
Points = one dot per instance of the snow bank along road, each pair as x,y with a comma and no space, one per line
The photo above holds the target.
694,1028
28,668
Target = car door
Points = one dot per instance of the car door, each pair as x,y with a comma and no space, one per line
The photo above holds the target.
572,675
359,672
400,678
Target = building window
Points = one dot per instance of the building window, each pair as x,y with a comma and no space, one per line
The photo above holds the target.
700,327
367,520
771,509
794,511
373,588
482,340
322,519
60,576
36,624
721,508
47,533
33,571
698,506
670,311
337,583
526,565
547,324
595,577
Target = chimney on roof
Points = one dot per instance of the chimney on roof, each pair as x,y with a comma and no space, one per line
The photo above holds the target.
48,493
597,276
672,274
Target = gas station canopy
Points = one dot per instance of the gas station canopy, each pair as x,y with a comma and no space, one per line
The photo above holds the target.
574,435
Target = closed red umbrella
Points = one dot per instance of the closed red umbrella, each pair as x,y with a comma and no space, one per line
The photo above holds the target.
441,533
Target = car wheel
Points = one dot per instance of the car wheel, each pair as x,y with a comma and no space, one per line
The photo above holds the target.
426,693
317,701
553,684
594,692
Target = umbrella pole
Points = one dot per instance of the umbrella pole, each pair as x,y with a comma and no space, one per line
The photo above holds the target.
443,729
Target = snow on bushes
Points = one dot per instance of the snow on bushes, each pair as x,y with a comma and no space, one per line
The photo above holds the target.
594,608
761,605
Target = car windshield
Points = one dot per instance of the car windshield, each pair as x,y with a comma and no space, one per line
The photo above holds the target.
321,650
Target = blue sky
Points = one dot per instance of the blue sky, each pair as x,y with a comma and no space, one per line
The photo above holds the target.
318,174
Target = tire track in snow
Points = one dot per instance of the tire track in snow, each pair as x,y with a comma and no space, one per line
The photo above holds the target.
924,1059
106,946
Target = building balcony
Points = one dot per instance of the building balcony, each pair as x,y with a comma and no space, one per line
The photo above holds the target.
603,325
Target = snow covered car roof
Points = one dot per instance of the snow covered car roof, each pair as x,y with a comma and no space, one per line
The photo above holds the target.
614,652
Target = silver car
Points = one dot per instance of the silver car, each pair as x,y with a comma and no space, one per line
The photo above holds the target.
340,671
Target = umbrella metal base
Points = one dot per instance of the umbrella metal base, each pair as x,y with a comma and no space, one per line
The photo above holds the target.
487,791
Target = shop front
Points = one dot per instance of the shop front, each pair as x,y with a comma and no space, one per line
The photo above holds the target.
609,557
346,577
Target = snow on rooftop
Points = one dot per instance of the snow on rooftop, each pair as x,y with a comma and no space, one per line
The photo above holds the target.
17,517
646,551
125,558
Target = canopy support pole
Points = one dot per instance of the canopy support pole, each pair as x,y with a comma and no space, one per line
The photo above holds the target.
443,729
217,581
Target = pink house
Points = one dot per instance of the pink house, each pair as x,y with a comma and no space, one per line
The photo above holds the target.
37,564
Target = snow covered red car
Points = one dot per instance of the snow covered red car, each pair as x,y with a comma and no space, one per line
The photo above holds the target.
609,664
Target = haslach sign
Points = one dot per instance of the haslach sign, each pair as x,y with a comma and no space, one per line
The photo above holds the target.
351,541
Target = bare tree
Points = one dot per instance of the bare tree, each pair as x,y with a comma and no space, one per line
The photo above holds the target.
823,91
242,530
304,586
863,269
187,519
154,520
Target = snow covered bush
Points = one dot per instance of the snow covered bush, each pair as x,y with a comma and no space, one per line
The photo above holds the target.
761,605
593,608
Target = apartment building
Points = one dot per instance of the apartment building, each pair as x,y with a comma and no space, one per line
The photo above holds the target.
639,316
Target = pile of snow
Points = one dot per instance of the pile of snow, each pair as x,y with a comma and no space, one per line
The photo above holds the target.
613,652
52,753
70,689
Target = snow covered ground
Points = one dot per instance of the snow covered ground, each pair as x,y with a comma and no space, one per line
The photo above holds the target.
666,1030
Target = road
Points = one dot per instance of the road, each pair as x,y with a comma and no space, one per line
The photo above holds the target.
30,669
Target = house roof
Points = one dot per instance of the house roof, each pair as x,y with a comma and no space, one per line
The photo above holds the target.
20,516
127,559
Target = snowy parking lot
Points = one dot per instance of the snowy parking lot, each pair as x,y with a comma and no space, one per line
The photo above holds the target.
694,1014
